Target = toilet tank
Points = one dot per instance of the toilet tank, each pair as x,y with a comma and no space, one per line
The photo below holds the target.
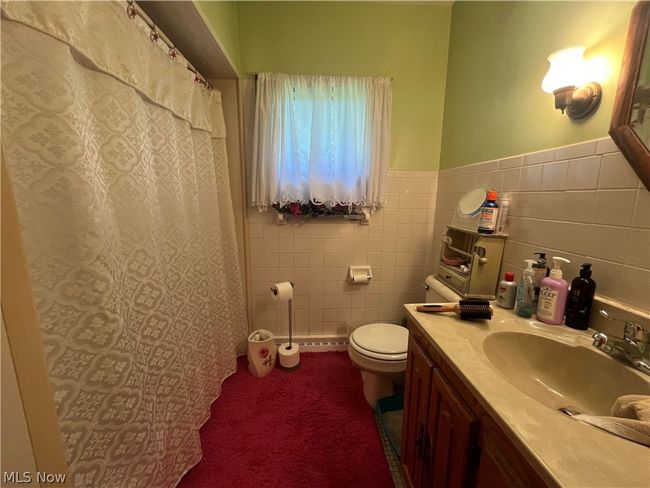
438,292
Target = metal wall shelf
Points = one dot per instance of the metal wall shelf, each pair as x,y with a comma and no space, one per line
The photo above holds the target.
283,219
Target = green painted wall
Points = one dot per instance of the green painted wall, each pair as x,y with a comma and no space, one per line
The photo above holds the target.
494,104
406,41
223,18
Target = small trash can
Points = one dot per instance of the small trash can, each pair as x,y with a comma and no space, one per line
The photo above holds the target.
261,352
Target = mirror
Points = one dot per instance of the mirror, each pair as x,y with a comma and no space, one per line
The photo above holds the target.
639,119
630,126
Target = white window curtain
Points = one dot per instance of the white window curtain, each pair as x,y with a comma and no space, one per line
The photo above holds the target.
321,139
118,164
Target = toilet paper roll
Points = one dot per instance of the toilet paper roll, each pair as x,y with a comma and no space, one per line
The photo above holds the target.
359,276
289,355
281,292
431,281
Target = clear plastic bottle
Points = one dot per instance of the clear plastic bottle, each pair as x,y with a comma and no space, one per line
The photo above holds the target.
540,271
504,207
526,291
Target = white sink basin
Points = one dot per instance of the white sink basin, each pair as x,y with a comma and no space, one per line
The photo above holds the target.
559,375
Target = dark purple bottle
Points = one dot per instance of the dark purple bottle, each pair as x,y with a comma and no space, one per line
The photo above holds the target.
580,299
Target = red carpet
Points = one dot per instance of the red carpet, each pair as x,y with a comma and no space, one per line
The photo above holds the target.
308,428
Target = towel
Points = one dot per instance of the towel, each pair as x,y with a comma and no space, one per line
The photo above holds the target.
636,407
630,419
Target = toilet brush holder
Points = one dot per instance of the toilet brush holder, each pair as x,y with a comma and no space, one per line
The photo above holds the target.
261,352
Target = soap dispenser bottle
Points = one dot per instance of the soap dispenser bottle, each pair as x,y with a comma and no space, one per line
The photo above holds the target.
526,291
553,294
580,299
541,271
542,263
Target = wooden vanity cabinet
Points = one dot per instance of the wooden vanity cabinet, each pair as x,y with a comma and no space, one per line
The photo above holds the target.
448,440
452,435
417,389
439,431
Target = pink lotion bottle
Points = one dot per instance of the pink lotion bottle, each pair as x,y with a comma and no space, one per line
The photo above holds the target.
553,292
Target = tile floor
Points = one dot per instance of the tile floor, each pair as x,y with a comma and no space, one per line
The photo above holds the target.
391,457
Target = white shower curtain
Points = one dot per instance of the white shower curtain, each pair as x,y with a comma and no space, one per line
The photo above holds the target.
118,164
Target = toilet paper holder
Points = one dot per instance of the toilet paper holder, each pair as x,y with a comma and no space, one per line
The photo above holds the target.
274,290
359,275
294,358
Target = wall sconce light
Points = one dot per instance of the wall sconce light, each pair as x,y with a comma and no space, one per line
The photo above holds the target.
565,80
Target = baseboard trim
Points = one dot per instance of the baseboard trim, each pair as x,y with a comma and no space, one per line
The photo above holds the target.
317,343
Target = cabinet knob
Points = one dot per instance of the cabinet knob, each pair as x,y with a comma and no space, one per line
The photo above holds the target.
420,439
426,450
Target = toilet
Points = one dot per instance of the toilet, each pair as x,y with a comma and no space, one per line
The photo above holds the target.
379,350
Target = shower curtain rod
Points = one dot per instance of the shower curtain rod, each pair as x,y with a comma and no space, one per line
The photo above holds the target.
255,76
132,9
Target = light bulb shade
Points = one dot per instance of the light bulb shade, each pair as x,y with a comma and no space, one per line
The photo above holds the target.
566,69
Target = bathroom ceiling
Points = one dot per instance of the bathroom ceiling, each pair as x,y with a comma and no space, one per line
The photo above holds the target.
183,24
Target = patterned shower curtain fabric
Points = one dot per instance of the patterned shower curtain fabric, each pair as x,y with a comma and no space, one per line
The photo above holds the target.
118,164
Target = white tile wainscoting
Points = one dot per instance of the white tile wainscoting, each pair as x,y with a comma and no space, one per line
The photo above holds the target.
315,255
582,201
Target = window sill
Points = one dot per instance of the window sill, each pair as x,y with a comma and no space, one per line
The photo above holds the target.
285,218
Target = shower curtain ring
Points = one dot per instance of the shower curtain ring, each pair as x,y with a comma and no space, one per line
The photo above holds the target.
130,10
154,36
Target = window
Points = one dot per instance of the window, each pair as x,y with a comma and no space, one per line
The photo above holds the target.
322,143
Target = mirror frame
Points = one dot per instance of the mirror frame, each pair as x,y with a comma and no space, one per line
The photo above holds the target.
620,130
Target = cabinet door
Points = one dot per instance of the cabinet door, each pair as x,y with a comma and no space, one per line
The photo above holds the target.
451,441
489,474
502,466
416,402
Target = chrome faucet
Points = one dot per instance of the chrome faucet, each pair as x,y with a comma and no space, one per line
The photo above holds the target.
633,347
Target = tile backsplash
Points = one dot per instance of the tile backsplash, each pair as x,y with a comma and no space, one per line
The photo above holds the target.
582,201
315,255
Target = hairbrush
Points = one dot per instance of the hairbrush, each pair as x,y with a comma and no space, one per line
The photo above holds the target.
470,309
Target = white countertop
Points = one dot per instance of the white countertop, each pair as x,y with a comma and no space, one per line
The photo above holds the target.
563,450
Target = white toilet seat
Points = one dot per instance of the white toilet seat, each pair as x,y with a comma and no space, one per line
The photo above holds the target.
383,342
379,351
